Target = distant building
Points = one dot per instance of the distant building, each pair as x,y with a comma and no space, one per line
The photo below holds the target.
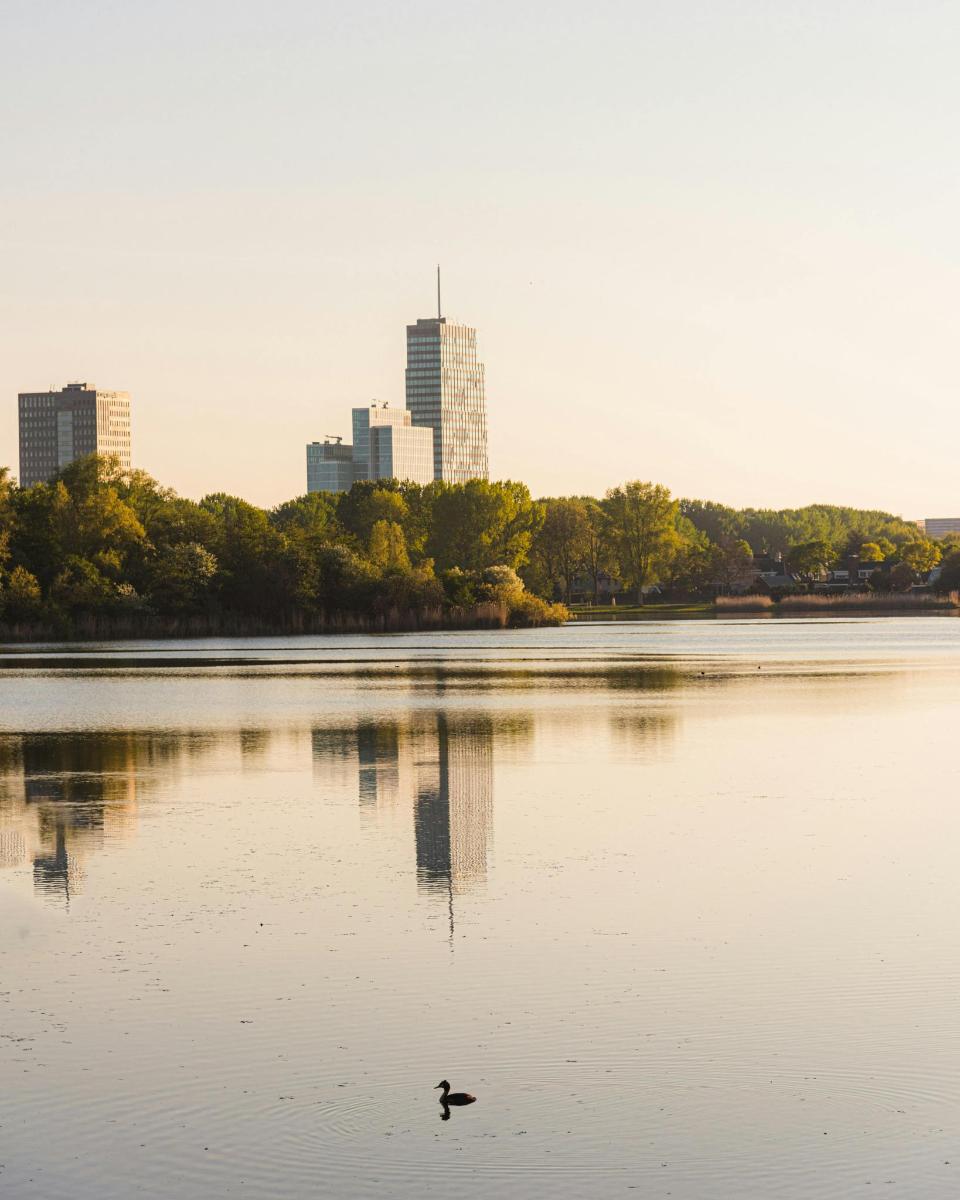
58,427
445,392
387,445
938,527
329,466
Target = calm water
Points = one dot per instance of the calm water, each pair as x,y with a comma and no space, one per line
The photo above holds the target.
679,902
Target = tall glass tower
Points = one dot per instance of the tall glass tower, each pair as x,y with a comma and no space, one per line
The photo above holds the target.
445,392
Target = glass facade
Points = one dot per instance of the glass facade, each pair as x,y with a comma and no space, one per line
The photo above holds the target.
445,392
365,420
329,467
58,427
403,452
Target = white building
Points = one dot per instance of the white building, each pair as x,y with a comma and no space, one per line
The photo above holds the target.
387,445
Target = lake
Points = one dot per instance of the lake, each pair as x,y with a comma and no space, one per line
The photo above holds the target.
677,901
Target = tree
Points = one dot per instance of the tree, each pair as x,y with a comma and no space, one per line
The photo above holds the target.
368,502
870,552
732,562
643,527
560,545
810,559
920,556
81,588
254,574
950,571
599,554
21,597
481,524
313,515
388,549
182,577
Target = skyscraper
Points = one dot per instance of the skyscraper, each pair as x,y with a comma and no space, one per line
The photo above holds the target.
58,427
445,392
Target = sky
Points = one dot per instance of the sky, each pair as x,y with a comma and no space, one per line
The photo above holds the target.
714,245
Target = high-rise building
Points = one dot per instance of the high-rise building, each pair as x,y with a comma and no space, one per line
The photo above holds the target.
58,427
329,466
445,392
387,445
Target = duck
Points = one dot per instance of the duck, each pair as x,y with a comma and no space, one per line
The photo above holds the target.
449,1097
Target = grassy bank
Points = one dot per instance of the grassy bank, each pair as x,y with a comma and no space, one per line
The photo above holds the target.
654,612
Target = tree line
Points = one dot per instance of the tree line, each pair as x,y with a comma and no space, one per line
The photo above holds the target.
100,541
640,536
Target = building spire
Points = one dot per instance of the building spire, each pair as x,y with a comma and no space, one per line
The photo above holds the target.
439,309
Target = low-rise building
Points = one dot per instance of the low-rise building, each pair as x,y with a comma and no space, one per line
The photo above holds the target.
387,445
938,527
330,466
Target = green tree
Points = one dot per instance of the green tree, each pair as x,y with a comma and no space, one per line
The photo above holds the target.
254,574
80,587
388,549
870,552
481,524
368,502
599,552
560,547
809,559
920,556
643,527
732,562
21,596
182,578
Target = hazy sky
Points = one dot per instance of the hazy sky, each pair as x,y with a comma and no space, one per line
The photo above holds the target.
709,244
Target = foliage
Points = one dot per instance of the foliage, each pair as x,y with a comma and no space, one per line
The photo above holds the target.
643,529
809,559
920,556
480,524
98,542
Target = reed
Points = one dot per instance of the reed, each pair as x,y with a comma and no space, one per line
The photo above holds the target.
744,604
872,602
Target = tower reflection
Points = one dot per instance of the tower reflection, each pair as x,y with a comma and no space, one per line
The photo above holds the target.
453,814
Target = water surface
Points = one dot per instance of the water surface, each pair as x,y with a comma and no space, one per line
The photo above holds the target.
677,902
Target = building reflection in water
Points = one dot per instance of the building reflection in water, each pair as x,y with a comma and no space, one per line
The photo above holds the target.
440,765
63,795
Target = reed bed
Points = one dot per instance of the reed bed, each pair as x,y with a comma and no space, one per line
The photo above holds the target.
744,604
872,602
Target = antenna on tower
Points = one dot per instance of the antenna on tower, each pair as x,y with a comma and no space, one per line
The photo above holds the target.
439,309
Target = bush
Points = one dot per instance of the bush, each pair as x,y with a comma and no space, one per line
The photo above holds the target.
528,610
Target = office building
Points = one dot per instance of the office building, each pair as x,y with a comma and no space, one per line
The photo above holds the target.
364,419
445,392
329,466
938,527
58,427
403,452
387,445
